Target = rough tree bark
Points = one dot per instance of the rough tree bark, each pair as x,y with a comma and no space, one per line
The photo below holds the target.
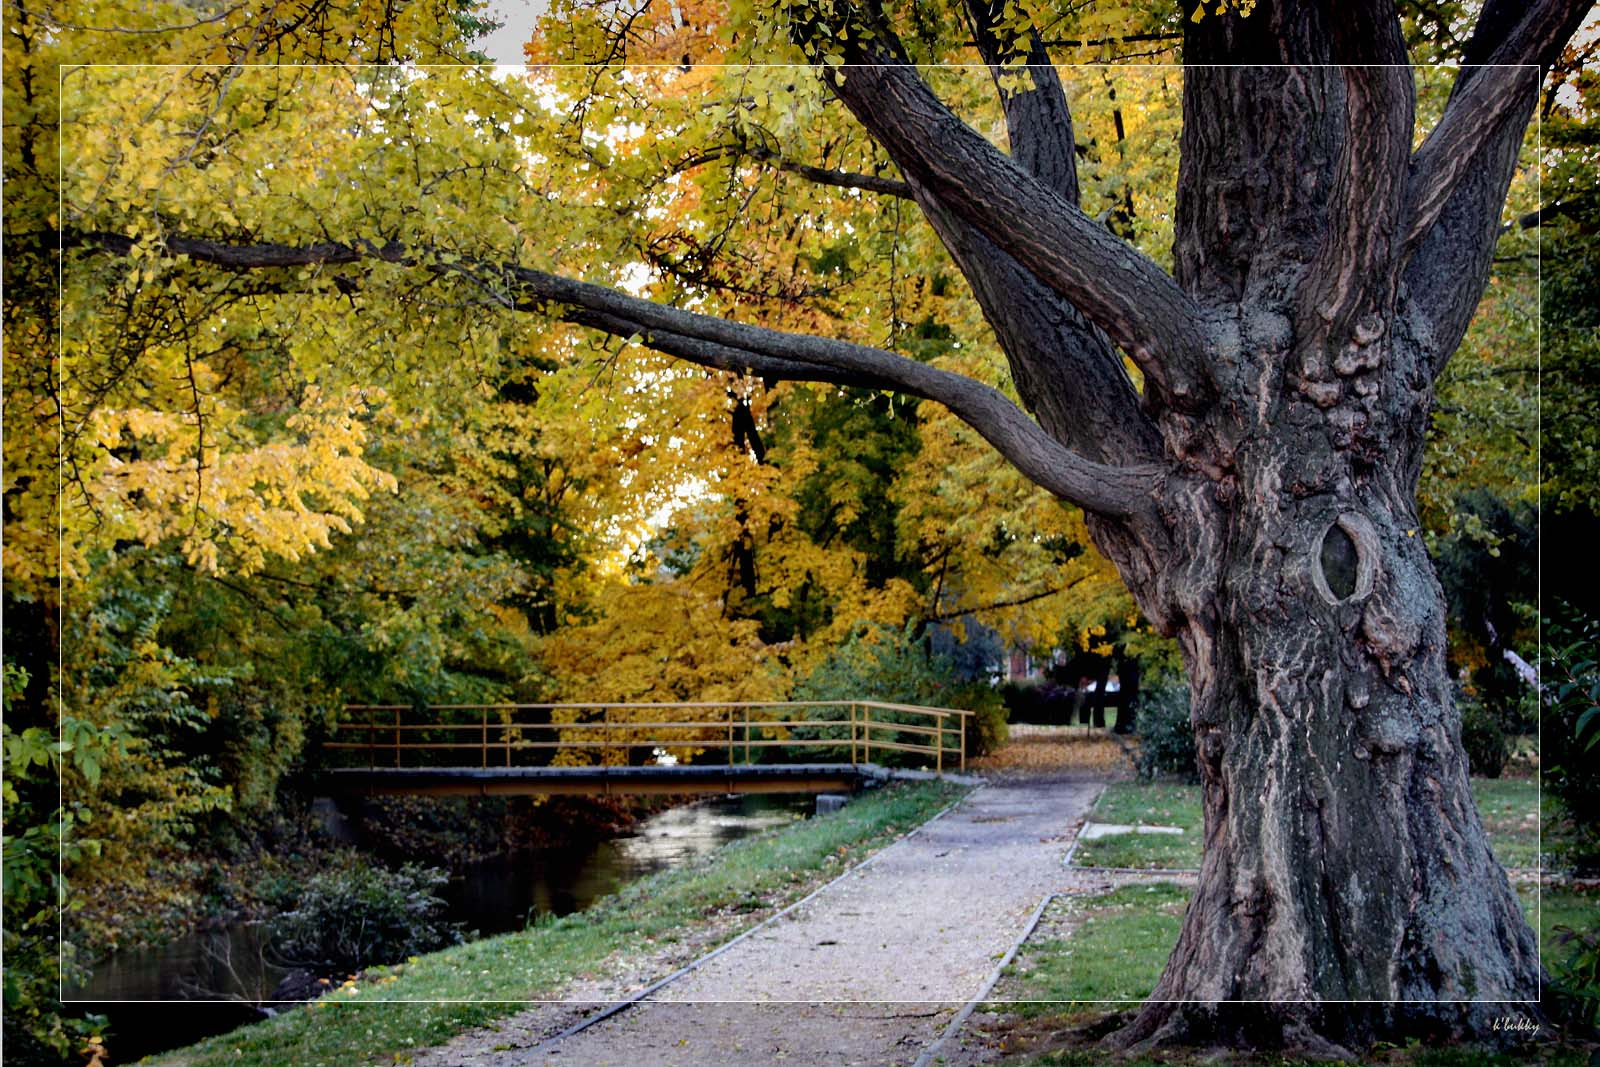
1259,494
1348,891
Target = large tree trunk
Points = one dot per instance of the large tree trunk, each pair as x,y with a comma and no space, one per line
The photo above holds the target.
1322,266
1347,877
1344,857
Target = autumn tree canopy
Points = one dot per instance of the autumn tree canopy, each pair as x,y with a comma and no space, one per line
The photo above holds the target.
288,291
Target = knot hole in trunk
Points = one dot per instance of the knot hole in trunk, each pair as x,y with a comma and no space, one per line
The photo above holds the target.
1346,566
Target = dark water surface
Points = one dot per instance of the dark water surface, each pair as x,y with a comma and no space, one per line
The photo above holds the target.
229,965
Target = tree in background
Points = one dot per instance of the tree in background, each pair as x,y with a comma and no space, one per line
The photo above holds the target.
189,683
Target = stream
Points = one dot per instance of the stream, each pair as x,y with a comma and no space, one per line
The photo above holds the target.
196,986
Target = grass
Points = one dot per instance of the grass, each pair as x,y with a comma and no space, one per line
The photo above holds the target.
1117,945
1567,907
1151,803
1509,807
1119,942
454,990
1510,810
1115,950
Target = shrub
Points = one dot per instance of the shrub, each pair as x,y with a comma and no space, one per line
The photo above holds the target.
1043,702
1575,977
883,663
1166,741
356,916
1484,739
986,728
1571,676
40,836
1571,731
880,662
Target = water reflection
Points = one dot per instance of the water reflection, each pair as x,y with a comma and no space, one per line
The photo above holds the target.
509,892
495,896
228,961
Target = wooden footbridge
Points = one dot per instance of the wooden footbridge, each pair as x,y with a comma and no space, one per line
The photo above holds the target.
803,746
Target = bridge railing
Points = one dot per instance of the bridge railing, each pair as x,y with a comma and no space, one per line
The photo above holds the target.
731,732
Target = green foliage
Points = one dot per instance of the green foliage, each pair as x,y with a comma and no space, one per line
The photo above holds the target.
987,728
860,442
1483,737
1569,314
357,915
156,783
1166,739
880,662
39,836
1575,977
1571,731
1572,958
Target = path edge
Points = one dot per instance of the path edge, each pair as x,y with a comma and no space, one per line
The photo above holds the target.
620,1006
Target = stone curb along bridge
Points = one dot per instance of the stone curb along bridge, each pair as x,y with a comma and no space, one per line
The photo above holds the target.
691,747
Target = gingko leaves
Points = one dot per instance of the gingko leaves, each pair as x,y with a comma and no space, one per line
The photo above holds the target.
1243,8
166,475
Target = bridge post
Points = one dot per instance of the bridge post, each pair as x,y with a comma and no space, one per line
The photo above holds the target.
938,749
483,743
397,735
852,733
730,737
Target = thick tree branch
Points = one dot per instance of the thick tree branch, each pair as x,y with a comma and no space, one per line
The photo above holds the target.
1487,102
1118,289
1471,123
1451,257
715,342
1358,267
1113,491
1066,371
1038,120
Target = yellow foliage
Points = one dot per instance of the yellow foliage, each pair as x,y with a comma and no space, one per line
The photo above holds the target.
660,642
230,510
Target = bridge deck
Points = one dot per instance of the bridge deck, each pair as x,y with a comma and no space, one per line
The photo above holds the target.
605,781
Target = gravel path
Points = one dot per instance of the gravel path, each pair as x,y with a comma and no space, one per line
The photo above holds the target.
870,970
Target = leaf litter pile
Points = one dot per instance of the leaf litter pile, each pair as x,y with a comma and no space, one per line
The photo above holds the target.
1062,748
